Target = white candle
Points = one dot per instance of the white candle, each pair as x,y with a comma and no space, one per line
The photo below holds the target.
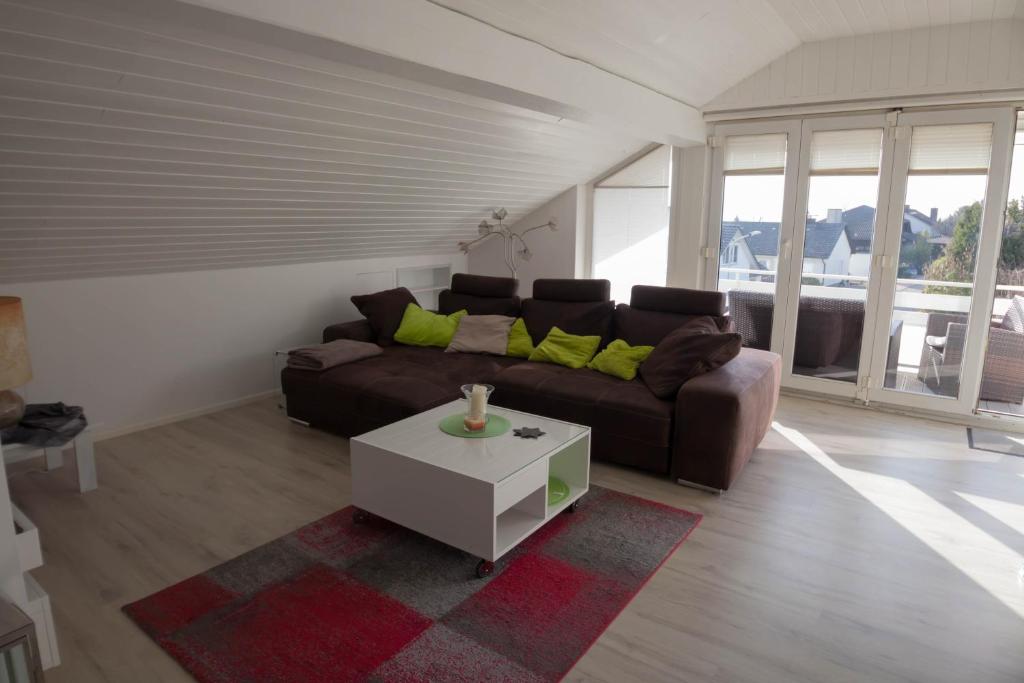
478,402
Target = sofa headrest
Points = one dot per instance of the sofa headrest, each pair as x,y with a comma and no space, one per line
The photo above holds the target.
480,295
677,300
484,285
639,326
568,289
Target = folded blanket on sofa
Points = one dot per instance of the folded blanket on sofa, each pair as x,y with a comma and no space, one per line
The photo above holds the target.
331,354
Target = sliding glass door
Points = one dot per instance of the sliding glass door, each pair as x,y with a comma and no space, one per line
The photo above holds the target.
753,208
841,163
861,249
939,263
1002,375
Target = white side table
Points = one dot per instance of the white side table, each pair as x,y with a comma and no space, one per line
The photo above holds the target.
81,445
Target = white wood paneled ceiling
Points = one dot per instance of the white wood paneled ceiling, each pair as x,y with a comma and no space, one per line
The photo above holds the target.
131,146
694,50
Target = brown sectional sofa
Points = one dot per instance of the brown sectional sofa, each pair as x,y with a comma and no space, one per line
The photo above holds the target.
705,436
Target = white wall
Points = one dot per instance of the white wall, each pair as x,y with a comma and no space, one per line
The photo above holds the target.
554,253
860,264
839,259
138,350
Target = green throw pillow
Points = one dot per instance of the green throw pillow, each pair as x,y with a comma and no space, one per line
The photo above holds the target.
519,343
619,359
423,328
570,350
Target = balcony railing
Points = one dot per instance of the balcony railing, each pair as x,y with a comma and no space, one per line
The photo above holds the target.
906,299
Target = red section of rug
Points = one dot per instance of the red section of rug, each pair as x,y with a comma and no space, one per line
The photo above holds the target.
339,601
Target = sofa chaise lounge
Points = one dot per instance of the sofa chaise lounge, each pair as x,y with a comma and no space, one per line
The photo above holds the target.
704,436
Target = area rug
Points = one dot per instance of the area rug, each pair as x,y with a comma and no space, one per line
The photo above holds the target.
340,601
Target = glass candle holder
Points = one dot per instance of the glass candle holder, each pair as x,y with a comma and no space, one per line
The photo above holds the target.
476,406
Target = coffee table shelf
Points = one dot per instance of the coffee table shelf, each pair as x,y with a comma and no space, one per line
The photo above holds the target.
483,496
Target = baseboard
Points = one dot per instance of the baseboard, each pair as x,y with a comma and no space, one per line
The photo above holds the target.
178,417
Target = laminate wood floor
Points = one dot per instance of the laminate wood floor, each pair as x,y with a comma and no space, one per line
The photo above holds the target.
857,546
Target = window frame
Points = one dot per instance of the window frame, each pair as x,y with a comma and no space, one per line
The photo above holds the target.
885,247
715,204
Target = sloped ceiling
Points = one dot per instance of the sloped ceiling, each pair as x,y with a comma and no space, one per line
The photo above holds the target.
953,60
694,50
128,146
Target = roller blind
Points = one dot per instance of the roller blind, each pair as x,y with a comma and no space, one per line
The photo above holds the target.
846,152
630,237
960,148
752,154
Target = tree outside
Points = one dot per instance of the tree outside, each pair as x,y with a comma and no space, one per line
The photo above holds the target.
957,261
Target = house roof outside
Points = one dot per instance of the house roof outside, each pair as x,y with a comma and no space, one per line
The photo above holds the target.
860,227
762,237
924,218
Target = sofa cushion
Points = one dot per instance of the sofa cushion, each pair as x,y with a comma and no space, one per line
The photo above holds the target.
570,350
621,360
520,345
691,350
405,380
482,334
425,328
480,295
609,405
574,317
384,311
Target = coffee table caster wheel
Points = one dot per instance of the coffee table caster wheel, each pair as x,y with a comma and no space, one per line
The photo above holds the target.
572,506
360,516
484,569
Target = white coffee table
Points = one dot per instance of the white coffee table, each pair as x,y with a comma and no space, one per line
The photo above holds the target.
483,496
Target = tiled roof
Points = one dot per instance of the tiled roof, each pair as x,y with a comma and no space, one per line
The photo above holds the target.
859,224
762,237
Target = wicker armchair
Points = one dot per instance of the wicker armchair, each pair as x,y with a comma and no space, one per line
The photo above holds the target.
1002,378
828,329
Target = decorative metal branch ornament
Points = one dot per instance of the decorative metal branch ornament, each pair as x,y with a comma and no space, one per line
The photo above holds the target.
513,243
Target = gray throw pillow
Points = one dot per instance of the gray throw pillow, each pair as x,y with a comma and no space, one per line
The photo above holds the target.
482,334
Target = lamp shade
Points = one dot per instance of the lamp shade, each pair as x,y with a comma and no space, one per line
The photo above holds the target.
15,369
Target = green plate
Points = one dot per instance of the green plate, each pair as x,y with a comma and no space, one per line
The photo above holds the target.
558,490
496,426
